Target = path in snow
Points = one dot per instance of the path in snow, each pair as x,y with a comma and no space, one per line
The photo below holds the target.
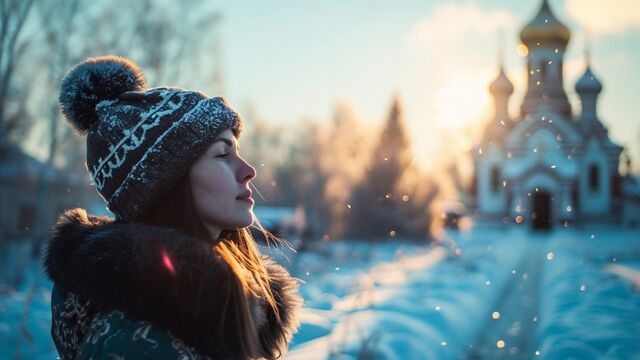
511,332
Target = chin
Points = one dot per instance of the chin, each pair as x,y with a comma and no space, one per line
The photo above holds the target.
243,222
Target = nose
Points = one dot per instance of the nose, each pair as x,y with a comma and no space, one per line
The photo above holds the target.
246,172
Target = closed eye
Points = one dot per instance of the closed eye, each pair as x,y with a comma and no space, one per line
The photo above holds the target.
222,155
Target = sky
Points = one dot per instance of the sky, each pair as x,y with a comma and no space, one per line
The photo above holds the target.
294,60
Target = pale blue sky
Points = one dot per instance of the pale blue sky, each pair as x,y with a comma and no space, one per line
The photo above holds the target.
295,59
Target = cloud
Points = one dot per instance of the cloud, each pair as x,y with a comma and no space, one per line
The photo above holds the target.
451,23
605,17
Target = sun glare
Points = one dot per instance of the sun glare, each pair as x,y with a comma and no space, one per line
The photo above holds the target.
462,100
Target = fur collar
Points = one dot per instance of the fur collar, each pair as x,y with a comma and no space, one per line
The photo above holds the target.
163,276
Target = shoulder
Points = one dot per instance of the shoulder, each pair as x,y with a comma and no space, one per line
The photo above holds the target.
279,327
151,273
115,336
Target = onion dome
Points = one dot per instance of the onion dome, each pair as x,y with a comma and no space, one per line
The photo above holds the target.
501,85
588,83
545,29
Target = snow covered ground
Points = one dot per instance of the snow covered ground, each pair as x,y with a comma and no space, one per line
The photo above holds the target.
497,294
589,311
484,294
25,312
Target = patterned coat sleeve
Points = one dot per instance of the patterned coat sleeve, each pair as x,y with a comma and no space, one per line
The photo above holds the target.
80,333
114,336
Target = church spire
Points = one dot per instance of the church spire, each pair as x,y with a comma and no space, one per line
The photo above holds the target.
588,88
501,89
546,38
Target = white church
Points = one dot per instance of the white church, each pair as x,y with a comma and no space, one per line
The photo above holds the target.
549,167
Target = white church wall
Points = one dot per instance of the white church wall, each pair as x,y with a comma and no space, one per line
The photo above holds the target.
594,199
519,205
491,196
542,147
562,128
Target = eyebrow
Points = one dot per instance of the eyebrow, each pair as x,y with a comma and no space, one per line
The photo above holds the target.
227,142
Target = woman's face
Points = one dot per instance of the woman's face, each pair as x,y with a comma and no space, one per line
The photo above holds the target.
219,182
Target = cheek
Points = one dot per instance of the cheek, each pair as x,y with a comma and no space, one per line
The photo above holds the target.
209,196
214,190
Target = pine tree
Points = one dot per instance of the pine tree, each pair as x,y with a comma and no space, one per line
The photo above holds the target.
390,200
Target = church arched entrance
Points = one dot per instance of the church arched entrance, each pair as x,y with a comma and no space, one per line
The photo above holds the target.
541,210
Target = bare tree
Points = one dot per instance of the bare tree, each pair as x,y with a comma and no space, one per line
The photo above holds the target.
57,25
169,40
13,16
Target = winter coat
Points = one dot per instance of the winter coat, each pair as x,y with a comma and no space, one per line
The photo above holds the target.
133,291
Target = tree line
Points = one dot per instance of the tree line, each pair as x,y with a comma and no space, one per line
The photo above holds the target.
352,180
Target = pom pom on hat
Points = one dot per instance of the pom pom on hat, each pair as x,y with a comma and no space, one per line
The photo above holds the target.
95,80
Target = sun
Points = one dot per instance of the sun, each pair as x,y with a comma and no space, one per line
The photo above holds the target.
463,99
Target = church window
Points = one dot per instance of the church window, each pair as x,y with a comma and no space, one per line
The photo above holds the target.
495,179
594,178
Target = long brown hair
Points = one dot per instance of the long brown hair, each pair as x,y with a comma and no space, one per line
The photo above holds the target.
239,250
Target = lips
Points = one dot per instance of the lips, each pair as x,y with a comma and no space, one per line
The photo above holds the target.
245,196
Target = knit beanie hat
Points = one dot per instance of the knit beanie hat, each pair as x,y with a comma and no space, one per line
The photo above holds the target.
140,142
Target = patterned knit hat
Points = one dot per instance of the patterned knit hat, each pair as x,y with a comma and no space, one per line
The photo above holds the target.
140,142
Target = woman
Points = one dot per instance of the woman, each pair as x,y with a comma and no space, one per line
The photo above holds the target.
176,274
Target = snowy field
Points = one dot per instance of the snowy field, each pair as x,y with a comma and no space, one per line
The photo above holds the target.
485,294
495,294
